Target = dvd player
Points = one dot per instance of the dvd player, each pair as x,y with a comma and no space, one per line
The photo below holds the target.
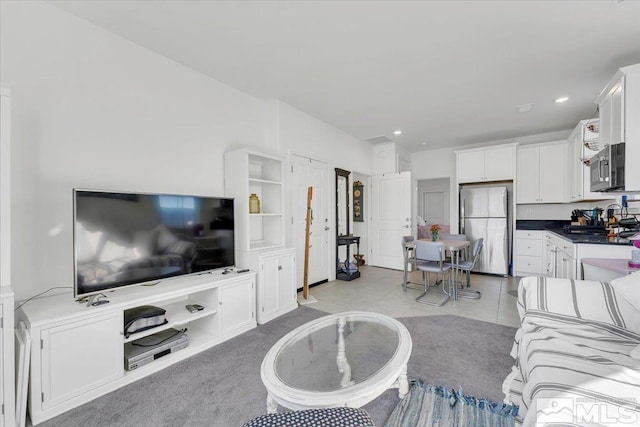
145,350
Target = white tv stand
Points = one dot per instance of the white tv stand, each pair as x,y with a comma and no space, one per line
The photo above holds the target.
77,352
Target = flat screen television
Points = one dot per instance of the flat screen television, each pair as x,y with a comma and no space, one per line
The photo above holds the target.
123,239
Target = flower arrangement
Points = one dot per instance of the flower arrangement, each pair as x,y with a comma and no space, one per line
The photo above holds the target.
435,229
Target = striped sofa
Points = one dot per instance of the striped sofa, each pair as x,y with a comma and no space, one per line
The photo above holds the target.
577,352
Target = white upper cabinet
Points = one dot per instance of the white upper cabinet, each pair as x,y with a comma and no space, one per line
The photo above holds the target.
582,145
486,164
611,107
541,173
619,106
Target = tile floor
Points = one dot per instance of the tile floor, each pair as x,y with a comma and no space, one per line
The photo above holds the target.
380,290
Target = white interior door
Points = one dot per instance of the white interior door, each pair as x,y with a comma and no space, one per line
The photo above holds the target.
307,173
433,209
390,218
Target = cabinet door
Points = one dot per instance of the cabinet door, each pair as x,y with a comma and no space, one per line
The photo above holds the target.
605,121
80,356
528,265
470,166
575,167
612,115
498,164
237,303
553,164
287,278
529,247
617,113
528,178
549,257
269,285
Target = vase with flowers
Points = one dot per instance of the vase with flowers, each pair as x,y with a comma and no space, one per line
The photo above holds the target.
435,229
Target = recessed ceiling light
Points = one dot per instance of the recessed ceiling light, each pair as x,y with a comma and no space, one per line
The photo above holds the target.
397,132
562,99
423,143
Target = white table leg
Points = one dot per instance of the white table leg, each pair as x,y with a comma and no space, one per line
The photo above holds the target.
272,406
403,383
455,282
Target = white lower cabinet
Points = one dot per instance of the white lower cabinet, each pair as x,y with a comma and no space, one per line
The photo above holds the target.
559,257
77,352
237,306
548,256
79,356
529,250
566,264
276,293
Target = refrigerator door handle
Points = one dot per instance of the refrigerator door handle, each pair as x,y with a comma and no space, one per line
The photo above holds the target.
462,209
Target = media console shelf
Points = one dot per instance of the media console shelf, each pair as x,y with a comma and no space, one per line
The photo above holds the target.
177,317
77,352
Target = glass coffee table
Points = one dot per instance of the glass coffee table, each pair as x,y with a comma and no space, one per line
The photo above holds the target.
344,359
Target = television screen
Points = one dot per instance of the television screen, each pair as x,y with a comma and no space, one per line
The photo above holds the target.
123,239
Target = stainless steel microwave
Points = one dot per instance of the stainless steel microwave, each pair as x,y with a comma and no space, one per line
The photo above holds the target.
607,169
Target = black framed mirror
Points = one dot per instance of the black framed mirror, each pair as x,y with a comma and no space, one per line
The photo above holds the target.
342,202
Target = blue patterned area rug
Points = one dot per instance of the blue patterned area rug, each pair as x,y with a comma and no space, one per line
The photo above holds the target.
433,406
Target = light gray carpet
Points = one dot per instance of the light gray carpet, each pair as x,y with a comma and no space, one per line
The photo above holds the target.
222,386
513,293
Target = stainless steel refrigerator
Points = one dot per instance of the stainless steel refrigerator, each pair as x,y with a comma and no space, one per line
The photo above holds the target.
484,213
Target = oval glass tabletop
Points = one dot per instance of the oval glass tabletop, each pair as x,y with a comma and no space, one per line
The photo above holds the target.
337,353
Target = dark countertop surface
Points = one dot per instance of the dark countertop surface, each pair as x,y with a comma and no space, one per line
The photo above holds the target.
540,224
556,226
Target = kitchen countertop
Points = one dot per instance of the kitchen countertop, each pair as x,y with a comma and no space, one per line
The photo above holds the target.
556,227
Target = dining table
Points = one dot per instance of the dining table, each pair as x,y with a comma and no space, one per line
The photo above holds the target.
454,247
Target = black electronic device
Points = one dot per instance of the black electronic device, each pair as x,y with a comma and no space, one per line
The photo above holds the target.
194,308
141,318
123,239
145,350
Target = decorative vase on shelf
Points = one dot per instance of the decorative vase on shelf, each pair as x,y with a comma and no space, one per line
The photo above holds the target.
434,236
254,204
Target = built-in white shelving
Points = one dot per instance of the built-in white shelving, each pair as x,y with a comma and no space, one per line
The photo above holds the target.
248,172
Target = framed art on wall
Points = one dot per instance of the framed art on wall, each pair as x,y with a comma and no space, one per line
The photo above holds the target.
358,202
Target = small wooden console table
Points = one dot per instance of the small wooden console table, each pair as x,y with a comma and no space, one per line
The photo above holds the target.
347,241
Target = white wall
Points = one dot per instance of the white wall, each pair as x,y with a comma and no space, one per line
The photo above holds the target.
93,110
294,131
557,210
303,134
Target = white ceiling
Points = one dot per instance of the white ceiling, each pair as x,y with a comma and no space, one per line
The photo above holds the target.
445,72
